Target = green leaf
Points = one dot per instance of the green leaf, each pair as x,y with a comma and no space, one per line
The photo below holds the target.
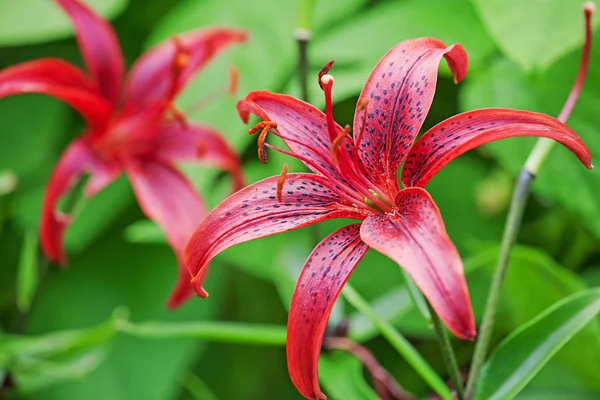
197,388
36,362
534,33
55,344
35,375
228,332
342,377
27,277
533,283
36,21
521,355
23,135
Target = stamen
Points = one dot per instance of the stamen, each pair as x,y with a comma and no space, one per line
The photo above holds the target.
182,55
565,113
335,146
234,81
263,127
230,90
281,181
325,70
177,114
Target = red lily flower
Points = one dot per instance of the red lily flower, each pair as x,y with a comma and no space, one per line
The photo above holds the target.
132,127
356,177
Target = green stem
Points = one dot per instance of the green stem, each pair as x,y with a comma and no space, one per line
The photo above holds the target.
306,9
447,353
227,332
303,38
403,346
513,223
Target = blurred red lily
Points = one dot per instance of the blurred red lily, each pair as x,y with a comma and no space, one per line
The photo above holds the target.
356,177
132,127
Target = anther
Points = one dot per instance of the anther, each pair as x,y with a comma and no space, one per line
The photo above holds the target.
362,104
263,127
325,70
281,182
234,81
182,55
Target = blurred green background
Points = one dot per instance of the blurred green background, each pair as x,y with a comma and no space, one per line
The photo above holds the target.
523,54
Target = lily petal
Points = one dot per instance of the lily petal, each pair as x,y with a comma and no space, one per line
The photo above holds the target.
398,96
58,79
155,77
304,126
77,159
256,212
168,198
414,236
99,46
463,132
197,143
319,285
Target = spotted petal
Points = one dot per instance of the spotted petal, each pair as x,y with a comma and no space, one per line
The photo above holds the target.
255,212
79,158
58,79
319,285
168,198
99,46
413,235
463,132
155,78
399,93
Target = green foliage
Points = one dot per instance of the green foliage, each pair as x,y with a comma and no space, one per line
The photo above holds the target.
562,179
524,353
553,28
522,55
28,272
35,21
342,377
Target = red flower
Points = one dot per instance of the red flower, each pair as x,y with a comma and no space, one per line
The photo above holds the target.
128,127
356,177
